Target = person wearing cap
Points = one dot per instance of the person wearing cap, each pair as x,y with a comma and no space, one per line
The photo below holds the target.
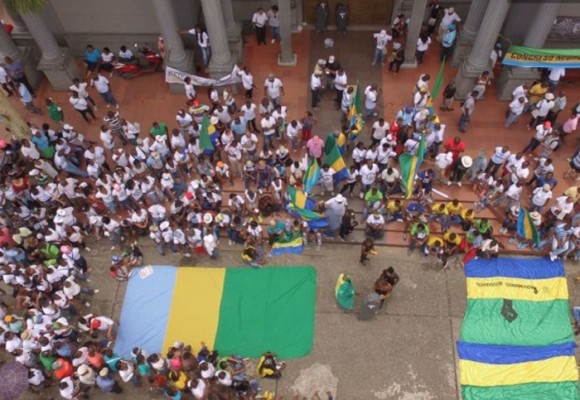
382,39
541,109
106,383
541,133
273,89
397,58
335,210
467,111
375,223
420,99
540,197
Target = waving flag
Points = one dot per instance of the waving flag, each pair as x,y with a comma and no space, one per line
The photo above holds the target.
205,142
334,159
410,167
344,292
526,227
301,206
516,340
312,175
355,113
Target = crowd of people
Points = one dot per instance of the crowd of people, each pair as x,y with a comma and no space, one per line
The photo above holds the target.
175,183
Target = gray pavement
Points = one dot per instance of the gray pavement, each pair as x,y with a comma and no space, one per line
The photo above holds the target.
406,353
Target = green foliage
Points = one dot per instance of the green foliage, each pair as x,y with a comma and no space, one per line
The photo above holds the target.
24,6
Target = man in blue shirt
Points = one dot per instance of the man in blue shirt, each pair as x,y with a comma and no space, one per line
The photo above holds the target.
92,57
448,41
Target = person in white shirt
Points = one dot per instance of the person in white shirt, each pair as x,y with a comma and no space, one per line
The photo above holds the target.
500,155
340,84
82,106
81,89
189,90
327,179
102,85
315,88
564,205
249,144
542,132
274,22
442,162
126,55
382,39
422,45
520,91
273,89
541,110
249,112
540,197
520,173
202,41
379,130
6,82
371,97
368,174
554,77
268,124
259,20
516,109
449,17
247,81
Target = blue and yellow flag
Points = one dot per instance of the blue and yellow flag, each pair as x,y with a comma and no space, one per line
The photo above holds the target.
410,167
335,161
355,113
312,175
516,340
300,206
526,227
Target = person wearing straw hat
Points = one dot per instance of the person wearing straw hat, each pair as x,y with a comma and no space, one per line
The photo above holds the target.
459,169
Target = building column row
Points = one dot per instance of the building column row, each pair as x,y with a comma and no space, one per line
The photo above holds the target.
469,31
538,31
478,60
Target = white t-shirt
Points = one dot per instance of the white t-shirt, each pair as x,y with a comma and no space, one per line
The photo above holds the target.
423,46
247,79
516,107
273,88
541,197
499,156
260,19
370,98
380,131
101,84
556,74
368,175
249,143
268,125
327,176
382,40
448,19
249,112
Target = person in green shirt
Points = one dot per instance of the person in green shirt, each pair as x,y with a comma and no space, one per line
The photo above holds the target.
158,129
483,226
54,111
373,202
419,234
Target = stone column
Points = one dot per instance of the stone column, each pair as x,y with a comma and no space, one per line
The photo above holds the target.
59,68
297,17
539,28
233,31
469,31
286,58
221,62
17,21
415,26
8,47
478,60
177,57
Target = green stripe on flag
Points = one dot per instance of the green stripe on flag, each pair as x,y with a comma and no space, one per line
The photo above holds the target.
533,323
270,309
438,81
528,391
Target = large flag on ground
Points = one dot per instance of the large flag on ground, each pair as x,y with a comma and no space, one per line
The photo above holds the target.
526,227
312,175
233,310
355,113
300,206
409,165
205,142
294,246
334,160
516,340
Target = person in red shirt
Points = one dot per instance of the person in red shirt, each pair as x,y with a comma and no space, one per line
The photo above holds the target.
62,368
455,146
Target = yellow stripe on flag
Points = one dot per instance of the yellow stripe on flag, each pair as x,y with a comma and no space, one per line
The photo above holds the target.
517,289
195,308
300,199
556,369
